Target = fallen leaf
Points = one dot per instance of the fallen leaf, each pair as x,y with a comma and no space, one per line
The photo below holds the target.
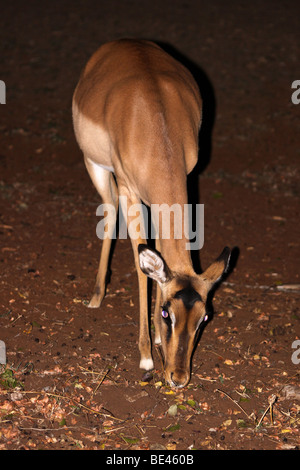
241,423
171,446
191,402
172,428
158,384
16,396
291,392
137,396
227,423
228,362
172,411
130,440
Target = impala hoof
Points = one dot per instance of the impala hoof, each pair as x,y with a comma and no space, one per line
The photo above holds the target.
147,364
95,301
147,376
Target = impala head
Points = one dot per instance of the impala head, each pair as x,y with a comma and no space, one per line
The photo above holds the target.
183,309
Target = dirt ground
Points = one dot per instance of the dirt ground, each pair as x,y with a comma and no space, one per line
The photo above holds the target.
72,379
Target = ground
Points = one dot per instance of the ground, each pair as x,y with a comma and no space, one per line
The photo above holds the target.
72,379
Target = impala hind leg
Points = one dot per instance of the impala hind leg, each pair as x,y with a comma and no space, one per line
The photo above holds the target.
106,187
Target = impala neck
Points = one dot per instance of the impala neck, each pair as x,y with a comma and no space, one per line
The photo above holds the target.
169,208
177,256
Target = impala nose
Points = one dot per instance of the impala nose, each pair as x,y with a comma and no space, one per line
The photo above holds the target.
179,379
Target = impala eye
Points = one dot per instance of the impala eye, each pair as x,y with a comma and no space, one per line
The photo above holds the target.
164,314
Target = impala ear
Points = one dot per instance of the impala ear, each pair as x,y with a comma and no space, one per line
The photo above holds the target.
153,265
215,271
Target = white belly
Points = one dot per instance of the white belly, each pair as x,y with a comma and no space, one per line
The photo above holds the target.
93,141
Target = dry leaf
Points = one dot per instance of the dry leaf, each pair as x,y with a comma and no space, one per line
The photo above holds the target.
227,423
228,362
171,446
172,411
291,392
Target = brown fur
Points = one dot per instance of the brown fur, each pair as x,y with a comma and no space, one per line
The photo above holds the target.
137,113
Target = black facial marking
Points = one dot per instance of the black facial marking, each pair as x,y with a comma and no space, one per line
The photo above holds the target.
189,296
167,320
182,348
169,332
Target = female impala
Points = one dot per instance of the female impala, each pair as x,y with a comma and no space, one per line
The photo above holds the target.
137,114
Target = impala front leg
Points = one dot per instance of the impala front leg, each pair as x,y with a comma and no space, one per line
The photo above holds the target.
157,308
146,361
138,237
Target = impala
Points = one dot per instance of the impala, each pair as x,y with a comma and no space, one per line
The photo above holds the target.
137,114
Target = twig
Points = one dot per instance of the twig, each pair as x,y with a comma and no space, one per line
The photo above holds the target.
87,371
48,429
113,430
207,380
272,399
140,429
216,354
234,401
19,316
101,380
281,288
91,410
